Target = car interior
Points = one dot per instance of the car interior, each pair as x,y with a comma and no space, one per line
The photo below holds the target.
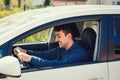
85,35
88,39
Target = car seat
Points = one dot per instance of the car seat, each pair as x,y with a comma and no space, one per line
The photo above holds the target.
88,38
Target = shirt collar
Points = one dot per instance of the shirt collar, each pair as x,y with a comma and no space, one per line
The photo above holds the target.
73,46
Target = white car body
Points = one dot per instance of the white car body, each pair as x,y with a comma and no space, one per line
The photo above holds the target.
17,24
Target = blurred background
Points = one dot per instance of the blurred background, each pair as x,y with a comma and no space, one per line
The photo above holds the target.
8,7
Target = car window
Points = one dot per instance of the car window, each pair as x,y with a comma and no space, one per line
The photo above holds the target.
41,36
117,37
45,35
48,34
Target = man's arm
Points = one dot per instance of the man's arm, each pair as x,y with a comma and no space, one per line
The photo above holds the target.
49,54
25,55
76,56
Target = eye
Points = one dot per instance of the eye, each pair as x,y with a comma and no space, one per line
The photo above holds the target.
58,36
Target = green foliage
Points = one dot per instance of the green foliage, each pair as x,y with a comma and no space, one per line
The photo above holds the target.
7,2
8,7
2,4
4,13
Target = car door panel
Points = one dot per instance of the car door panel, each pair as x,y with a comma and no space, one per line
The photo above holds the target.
114,71
82,72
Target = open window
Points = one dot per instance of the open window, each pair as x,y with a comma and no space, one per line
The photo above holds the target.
42,40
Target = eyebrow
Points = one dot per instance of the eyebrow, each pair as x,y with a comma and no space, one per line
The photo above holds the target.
57,34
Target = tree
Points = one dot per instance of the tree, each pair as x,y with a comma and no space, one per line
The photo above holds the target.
2,4
7,3
19,3
47,3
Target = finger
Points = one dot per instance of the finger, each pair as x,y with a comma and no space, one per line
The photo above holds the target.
15,50
20,57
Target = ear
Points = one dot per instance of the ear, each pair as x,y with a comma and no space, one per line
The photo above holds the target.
69,35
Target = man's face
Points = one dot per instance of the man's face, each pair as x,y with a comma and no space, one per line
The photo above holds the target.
61,38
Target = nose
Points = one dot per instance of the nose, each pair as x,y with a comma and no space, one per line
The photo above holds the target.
56,39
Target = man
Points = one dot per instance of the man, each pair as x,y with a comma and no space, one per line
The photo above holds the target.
68,52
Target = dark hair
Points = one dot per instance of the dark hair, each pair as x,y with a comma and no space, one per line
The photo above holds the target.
68,28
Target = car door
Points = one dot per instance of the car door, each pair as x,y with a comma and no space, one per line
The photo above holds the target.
114,47
96,69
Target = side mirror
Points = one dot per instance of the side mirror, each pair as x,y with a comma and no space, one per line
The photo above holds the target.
10,66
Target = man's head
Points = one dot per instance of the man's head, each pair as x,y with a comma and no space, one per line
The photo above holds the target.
65,35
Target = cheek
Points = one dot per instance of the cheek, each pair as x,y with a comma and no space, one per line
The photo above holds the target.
61,40
64,39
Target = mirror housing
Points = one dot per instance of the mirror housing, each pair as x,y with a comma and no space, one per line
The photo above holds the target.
10,66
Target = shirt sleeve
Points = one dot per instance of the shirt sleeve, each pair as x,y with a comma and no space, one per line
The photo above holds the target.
40,62
49,54
73,58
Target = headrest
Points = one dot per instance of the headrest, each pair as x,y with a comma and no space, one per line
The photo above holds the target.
88,38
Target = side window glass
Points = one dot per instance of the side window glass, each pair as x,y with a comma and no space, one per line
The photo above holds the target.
117,37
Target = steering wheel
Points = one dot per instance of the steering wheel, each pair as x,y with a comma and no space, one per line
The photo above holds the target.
23,65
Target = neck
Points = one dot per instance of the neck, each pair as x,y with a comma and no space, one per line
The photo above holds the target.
69,45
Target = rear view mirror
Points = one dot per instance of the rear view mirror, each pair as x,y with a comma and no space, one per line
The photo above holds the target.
10,66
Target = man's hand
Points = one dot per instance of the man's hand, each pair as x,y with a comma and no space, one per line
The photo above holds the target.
18,50
21,54
24,57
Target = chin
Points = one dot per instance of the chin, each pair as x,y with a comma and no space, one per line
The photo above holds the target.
60,46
